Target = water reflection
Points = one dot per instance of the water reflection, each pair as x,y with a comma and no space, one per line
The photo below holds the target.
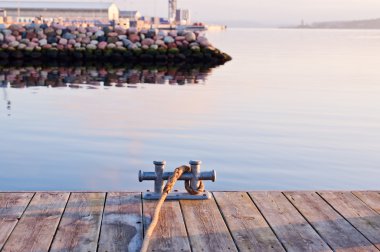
6,99
92,75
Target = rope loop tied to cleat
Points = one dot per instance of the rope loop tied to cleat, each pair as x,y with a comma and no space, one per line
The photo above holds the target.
199,190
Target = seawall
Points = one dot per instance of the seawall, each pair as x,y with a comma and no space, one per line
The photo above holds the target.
56,41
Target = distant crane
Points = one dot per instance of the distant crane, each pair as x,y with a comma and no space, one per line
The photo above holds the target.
172,10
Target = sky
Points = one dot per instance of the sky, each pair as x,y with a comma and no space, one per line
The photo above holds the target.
262,12
257,13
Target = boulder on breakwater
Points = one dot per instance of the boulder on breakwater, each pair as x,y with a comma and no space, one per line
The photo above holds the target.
106,43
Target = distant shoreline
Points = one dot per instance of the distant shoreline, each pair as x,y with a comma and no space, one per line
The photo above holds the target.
370,24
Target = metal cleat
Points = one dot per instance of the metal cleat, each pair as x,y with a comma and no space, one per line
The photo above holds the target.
159,176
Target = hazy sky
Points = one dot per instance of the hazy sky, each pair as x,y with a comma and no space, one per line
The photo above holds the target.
257,12
264,12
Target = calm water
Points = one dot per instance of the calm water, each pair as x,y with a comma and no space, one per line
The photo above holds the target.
295,109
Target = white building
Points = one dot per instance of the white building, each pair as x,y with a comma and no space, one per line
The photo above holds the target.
26,11
3,14
182,16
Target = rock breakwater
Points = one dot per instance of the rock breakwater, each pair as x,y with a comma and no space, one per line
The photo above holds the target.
106,43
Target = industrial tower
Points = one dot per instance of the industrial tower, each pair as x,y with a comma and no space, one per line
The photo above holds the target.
172,10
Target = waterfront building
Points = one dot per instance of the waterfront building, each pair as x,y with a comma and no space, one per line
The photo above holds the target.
3,15
131,15
27,11
182,16
129,18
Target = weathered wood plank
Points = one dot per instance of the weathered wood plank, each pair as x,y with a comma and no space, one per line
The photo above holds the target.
205,225
121,229
336,231
248,227
36,228
291,228
122,223
12,205
170,232
372,199
363,218
80,224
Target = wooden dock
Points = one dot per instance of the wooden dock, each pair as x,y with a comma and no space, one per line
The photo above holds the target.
230,221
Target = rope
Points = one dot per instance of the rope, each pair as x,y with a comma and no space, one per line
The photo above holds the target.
168,187
189,189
